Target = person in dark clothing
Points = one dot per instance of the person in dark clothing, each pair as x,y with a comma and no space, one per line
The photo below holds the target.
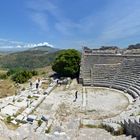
76,96
31,84
37,85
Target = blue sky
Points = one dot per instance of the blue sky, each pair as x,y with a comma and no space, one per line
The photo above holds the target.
69,23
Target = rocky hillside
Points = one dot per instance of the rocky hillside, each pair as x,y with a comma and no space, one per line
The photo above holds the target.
33,58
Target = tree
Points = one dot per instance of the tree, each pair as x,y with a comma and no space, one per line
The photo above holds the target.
67,63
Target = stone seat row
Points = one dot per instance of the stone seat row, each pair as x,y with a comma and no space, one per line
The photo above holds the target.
124,80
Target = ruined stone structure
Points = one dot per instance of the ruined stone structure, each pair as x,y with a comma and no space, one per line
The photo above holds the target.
117,69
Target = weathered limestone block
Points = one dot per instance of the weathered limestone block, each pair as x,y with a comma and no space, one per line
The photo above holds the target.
114,128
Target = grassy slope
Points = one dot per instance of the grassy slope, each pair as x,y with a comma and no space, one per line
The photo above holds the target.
7,87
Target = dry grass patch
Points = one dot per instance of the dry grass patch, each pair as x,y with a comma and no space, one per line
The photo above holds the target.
45,71
11,126
7,88
3,71
44,85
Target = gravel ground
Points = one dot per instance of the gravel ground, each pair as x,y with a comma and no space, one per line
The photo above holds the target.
103,102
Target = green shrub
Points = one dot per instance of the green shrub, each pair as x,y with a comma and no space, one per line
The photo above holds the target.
48,130
34,73
22,77
29,97
14,70
39,123
8,119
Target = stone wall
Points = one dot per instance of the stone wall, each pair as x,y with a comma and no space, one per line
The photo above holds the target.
132,126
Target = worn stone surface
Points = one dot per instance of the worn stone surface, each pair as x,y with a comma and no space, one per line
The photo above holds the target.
69,119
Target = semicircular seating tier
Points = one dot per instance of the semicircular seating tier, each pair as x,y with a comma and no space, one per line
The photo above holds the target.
121,72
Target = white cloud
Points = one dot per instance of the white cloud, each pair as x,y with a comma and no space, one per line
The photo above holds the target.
40,10
38,44
116,20
121,22
123,28
43,6
37,12
18,46
44,43
6,47
5,44
41,20
2,39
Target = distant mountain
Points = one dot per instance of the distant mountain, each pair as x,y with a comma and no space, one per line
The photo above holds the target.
36,57
3,53
40,46
44,48
11,50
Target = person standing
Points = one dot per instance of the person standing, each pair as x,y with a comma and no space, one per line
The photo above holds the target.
76,96
37,85
31,84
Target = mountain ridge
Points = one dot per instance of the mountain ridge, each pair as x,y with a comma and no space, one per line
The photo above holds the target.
10,47
36,57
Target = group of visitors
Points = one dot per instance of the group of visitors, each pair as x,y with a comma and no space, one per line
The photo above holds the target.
36,84
37,87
